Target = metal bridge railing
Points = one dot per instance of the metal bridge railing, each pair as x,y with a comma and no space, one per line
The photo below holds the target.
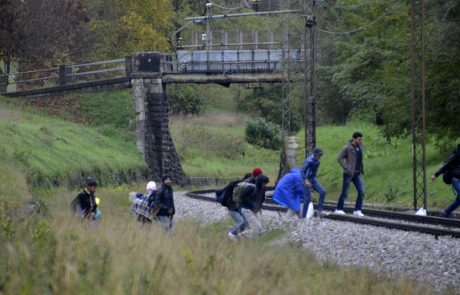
62,75
183,62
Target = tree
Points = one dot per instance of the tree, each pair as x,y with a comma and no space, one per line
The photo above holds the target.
41,33
120,27
266,102
184,99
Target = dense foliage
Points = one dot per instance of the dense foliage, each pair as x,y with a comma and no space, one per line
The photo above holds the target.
363,60
263,134
185,100
366,73
266,103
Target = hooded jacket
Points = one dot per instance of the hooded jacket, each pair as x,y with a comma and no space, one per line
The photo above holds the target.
452,164
252,198
289,190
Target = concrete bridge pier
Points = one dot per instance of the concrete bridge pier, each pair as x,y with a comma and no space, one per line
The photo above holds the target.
152,120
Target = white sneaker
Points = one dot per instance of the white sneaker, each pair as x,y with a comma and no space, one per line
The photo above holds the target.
232,236
339,212
358,213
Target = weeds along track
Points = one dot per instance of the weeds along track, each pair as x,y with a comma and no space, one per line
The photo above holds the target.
432,225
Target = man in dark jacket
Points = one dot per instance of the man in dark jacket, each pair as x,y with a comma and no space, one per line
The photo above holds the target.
84,205
251,204
351,159
163,203
232,206
452,167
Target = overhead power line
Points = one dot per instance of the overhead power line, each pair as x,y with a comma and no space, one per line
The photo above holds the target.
228,8
358,29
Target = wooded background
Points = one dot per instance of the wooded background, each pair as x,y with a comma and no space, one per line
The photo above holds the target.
363,50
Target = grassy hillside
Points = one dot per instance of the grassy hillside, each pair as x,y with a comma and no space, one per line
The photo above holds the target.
53,141
102,141
50,151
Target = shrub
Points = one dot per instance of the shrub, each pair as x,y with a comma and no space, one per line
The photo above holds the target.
266,102
184,99
263,134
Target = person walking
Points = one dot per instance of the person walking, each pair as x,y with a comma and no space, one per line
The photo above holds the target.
352,161
309,170
84,204
163,208
142,204
451,171
289,191
226,200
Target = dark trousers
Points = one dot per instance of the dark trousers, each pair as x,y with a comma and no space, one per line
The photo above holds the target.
359,184
456,202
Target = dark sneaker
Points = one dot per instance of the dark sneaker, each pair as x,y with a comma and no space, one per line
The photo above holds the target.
444,215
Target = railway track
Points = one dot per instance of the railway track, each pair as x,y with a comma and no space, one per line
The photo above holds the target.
436,226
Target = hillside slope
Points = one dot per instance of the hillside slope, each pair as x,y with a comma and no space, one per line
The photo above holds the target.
49,151
100,139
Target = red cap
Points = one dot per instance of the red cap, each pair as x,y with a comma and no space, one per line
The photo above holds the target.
256,171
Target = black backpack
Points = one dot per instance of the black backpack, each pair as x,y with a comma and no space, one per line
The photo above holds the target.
450,164
226,194
447,176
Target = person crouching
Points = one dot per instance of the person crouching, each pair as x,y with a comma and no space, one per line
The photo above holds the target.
251,204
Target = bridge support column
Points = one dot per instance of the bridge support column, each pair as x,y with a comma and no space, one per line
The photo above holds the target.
139,91
151,104
160,153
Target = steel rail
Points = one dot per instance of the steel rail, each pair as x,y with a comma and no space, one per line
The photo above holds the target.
436,231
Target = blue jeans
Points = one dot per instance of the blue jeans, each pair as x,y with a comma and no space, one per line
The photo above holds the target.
165,221
456,202
358,182
239,220
315,185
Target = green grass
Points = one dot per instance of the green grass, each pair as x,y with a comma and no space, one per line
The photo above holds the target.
388,167
51,151
210,145
51,253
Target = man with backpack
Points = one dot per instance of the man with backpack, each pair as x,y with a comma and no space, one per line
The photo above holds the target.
225,198
451,175
250,199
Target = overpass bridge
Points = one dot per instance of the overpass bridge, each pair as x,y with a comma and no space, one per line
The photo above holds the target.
148,74
224,67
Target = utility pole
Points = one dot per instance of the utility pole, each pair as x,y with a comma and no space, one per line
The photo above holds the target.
310,96
285,100
208,20
418,102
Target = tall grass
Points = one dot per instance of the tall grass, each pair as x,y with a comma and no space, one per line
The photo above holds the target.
55,254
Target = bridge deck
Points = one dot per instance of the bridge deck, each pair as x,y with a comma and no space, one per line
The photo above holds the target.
199,66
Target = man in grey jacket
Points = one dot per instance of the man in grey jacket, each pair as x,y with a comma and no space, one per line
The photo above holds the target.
352,161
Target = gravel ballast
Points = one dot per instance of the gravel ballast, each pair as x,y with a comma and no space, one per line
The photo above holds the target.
417,256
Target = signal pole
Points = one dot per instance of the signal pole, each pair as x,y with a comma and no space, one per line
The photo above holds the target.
418,102
310,96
